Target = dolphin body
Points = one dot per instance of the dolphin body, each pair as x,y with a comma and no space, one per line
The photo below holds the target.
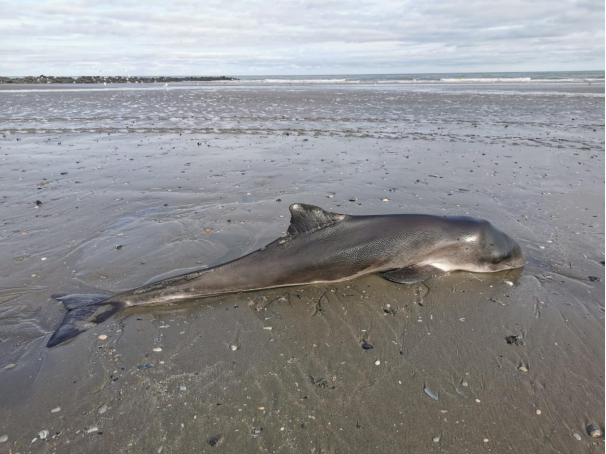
321,247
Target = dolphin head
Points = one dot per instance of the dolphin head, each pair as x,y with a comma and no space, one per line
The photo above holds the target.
497,251
476,245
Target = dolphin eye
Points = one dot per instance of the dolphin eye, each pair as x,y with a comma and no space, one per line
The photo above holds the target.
500,259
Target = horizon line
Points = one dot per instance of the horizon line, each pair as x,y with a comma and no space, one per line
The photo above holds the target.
313,75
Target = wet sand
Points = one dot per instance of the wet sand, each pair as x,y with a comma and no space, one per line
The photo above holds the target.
440,376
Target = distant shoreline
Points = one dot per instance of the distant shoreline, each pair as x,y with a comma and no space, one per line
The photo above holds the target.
107,79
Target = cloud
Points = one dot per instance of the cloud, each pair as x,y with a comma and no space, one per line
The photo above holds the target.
77,37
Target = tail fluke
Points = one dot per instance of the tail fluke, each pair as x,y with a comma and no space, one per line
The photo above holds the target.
83,312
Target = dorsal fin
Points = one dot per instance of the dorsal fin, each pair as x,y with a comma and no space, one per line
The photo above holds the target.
305,218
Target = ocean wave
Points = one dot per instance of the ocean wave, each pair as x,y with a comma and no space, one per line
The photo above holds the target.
518,80
421,80
490,79
303,81
277,82
599,80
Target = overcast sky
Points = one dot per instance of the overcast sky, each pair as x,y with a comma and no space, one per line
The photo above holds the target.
235,37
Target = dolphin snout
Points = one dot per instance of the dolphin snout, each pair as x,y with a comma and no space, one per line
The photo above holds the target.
517,256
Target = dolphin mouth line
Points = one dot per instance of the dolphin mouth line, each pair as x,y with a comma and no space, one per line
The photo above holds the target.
515,267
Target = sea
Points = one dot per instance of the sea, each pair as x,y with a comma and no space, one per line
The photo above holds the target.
373,79
433,78
372,104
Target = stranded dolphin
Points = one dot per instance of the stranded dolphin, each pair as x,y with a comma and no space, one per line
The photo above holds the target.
319,247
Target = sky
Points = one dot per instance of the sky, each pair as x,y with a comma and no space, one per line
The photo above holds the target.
284,37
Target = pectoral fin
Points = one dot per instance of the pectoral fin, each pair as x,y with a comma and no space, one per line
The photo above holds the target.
412,274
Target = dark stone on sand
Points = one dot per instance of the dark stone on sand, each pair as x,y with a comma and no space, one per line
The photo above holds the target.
594,278
216,440
391,311
145,366
38,202
257,432
367,346
515,340
119,247
594,431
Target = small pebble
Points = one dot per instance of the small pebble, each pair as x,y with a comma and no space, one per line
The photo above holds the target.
56,410
43,434
43,258
102,409
207,230
268,328
377,362
3,438
367,346
10,366
385,200
478,400
157,349
92,429
145,366
233,347
436,439
538,412
486,440
576,436
594,431
522,369
102,337
509,283
119,246
182,388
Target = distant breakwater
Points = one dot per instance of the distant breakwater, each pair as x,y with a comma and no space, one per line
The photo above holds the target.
107,79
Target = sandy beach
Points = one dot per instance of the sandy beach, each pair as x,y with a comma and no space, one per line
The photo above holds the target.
106,190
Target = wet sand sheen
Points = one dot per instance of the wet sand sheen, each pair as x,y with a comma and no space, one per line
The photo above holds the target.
120,210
